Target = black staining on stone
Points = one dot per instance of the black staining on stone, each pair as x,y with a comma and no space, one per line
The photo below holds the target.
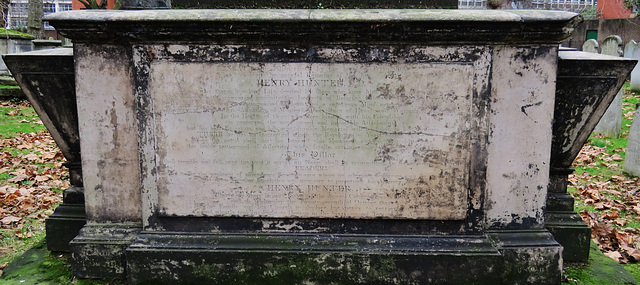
312,226
524,56
525,107
520,223
533,170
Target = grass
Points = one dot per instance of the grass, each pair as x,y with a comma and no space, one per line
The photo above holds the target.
17,241
18,118
14,120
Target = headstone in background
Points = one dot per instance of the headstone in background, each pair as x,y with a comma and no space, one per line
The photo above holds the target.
632,50
46,44
611,123
591,45
12,42
632,160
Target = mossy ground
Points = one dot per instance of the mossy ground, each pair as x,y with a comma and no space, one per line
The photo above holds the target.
40,266
600,270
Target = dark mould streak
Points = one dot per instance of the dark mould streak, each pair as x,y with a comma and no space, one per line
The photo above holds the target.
524,108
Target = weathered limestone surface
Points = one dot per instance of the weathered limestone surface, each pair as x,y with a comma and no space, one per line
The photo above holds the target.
632,50
110,164
591,45
312,140
270,140
632,158
507,178
611,123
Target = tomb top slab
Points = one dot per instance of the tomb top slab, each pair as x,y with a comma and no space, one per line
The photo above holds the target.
324,25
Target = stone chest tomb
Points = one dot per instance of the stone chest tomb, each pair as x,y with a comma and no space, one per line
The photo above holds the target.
349,146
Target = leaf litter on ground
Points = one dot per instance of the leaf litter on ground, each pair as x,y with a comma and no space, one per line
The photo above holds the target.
611,201
31,179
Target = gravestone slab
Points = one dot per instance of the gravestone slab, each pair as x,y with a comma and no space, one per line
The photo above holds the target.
319,146
591,45
610,124
632,50
632,159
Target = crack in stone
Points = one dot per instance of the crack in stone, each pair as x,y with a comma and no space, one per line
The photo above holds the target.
377,131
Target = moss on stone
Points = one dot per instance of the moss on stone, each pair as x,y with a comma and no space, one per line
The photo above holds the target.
600,270
13,34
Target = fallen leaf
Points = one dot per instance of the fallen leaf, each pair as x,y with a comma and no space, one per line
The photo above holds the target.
618,178
610,216
31,156
18,178
617,256
9,220
41,178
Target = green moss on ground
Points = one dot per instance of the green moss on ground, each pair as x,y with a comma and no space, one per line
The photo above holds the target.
600,270
40,266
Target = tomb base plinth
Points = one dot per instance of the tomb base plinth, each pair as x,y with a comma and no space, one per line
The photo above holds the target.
349,259
66,221
98,250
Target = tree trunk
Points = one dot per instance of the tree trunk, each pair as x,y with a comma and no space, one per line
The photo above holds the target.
34,19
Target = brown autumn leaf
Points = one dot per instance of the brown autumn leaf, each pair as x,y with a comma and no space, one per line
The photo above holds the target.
610,216
617,256
31,157
9,220
41,178
18,178
617,178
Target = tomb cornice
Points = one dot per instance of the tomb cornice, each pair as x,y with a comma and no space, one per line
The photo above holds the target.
339,26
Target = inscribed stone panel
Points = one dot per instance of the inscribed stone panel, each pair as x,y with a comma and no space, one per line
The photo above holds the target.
312,140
